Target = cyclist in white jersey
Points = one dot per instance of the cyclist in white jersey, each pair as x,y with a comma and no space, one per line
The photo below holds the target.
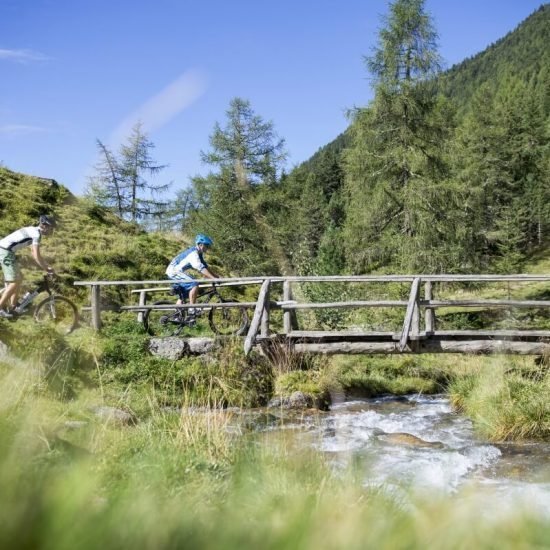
192,258
26,236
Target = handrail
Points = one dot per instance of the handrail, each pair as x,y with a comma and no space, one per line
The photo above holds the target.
337,278
411,333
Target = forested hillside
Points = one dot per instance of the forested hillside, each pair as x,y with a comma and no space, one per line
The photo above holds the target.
90,242
461,184
441,172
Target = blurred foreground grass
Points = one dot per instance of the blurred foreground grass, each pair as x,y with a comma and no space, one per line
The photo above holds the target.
192,480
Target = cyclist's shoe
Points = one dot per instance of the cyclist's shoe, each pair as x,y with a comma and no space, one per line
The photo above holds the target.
5,314
18,310
192,312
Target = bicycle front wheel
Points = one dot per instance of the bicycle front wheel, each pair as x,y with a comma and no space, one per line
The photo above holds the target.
58,311
227,321
163,322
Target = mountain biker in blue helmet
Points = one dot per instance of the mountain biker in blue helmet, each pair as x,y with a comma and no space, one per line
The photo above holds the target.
190,259
26,236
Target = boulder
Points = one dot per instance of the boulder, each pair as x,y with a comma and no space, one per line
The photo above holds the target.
297,400
170,348
175,348
199,346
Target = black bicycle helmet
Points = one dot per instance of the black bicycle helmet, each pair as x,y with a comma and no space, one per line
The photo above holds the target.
46,220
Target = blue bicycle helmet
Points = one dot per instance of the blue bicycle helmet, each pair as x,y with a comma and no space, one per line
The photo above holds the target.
46,220
203,239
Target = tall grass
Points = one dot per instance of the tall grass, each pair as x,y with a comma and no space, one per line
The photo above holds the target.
507,398
194,480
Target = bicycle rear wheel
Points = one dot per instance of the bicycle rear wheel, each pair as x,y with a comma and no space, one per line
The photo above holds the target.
59,311
163,322
227,321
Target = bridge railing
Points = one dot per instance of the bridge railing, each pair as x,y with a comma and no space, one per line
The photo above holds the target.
407,338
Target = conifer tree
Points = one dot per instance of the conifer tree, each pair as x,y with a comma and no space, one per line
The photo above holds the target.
402,206
122,181
247,156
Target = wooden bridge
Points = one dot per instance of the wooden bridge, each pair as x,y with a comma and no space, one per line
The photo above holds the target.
418,332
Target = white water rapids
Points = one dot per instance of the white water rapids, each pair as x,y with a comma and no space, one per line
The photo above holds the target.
419,443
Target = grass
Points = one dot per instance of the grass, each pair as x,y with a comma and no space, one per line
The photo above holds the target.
507,399
190,481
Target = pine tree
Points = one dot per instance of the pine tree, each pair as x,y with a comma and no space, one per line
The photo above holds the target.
120,181
247,156
403,207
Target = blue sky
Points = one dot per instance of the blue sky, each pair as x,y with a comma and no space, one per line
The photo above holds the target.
72,71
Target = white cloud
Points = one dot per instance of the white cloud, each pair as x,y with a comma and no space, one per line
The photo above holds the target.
22,56
15,130
164,106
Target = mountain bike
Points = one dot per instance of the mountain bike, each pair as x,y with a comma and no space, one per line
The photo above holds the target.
170,322
54,309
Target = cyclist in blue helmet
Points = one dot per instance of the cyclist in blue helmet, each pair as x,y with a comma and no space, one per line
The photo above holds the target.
26,236
190,259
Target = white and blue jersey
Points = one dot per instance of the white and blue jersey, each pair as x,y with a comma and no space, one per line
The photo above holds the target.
178,267
21,238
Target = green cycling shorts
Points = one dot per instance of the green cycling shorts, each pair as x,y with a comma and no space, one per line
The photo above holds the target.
9,266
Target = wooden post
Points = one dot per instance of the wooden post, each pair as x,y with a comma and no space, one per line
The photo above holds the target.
96,307
264,329
287,296
412,305
256,319
430,314
142,302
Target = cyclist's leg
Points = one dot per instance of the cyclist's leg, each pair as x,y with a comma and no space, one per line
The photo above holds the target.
12,278
186,288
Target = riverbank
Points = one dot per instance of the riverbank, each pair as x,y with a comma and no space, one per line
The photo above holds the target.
171,474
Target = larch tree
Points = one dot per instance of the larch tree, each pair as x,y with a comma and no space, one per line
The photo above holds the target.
246,156
402,207
123,183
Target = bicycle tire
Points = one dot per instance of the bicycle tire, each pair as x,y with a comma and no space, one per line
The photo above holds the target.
227,321
58,310
163,322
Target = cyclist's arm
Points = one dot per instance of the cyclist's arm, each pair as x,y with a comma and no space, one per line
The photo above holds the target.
39,260
208,274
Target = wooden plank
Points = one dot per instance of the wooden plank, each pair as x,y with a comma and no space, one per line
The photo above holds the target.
174,306
256,319
345,305
427,346
345,348
477,347
340,278
486,303
492,333
156,289
338,334
413,303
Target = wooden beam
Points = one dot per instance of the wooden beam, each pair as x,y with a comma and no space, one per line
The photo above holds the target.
142,302
486,303
485,347
430,314
96,306
287,297
256,319
264,324
412,305
346,305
